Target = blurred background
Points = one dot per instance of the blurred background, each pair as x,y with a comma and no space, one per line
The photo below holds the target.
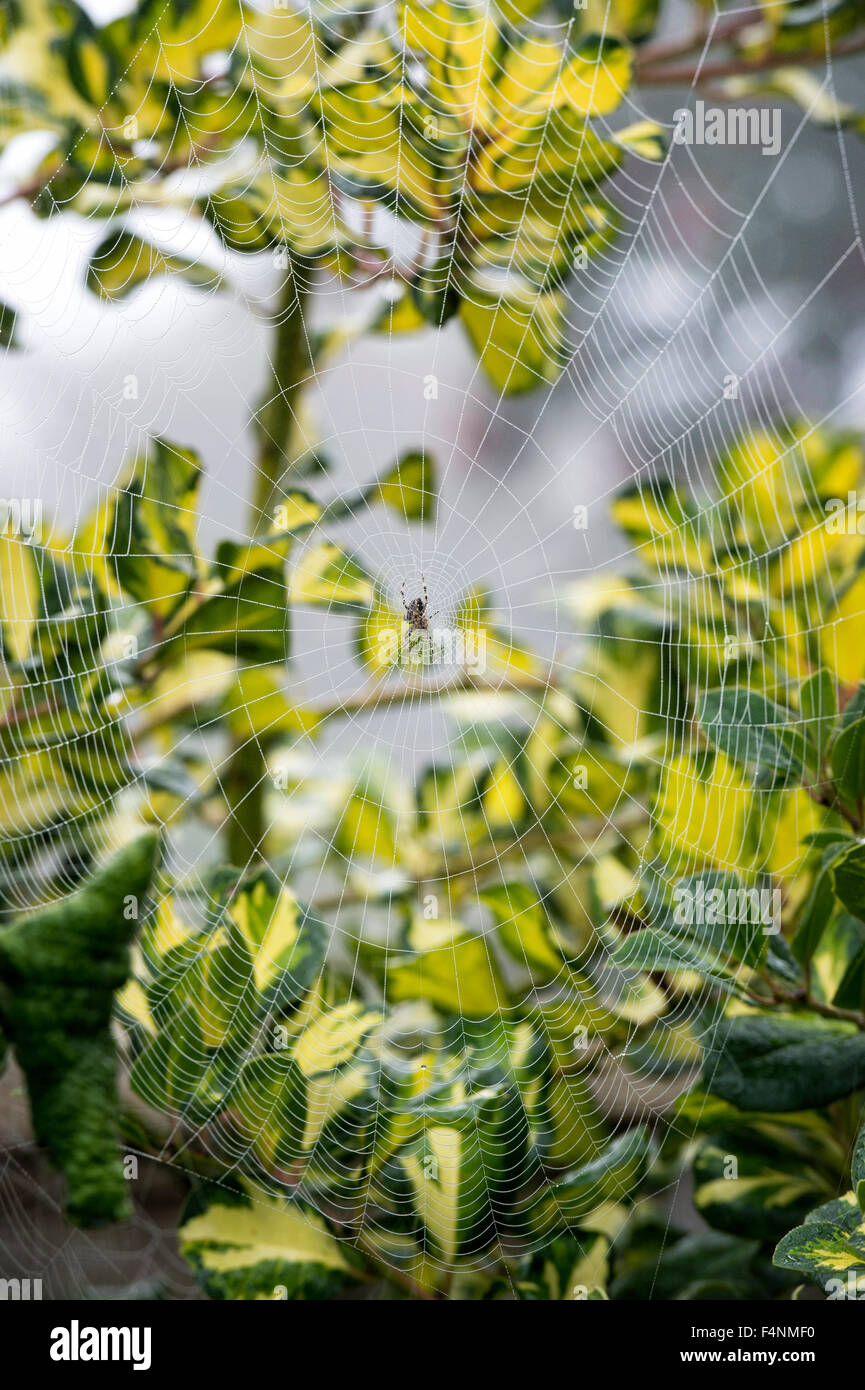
732,267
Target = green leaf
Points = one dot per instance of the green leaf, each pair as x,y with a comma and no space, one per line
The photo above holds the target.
123,262
327,577
255,706
682,1269
169,1074
611,1176
366,830
269,1101
573,1266
295,209
645,139
857,1168
525,929
59,970
451,1172
855,706
784,1063
848,875
717,923
287,945
520,341
848,763
818,707
542,97
850,992
435,291
264,1249
656,948
20,596
667,524
818,910
8,326
829,1248
152,539
457,972
213,989
409,488
379,639
753,730
772,1186
241,608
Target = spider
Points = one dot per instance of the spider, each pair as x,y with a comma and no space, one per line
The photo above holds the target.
416,614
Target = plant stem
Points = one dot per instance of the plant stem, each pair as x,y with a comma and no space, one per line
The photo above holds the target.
243,782
383,697
685,75
278,411
662,50
831,802
806,1000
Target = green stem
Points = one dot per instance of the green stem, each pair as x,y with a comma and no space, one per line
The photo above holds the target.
243,783
277,414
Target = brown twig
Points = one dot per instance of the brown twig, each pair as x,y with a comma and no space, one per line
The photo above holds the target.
523,682
688,76
806,999
661,50
832,803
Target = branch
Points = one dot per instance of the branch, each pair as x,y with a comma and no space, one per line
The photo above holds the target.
277,415
805,998
243,784
663,49
379,697
687,76
832,802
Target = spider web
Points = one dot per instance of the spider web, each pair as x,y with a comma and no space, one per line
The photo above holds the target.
692,294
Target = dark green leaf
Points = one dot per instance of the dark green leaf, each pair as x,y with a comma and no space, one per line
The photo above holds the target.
848,763
818,706
753,730
8,326
848,876
784,1063
59,971
817,911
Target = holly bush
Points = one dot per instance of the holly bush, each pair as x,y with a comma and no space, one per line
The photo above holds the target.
453,1035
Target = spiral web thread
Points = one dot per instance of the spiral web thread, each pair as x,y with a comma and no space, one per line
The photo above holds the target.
617,376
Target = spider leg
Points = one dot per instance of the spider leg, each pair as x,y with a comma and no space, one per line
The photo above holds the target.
402,592
425,594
